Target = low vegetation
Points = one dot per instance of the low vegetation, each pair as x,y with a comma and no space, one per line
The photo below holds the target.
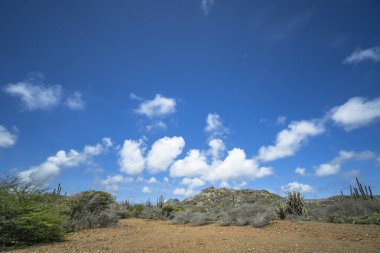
30,215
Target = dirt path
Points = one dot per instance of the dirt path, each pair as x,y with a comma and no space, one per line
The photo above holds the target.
136,235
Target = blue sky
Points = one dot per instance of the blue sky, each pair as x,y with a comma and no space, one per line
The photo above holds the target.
142,98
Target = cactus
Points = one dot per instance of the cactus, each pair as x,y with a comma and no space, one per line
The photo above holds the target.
364,192
160,201
57,191
281,211
295,203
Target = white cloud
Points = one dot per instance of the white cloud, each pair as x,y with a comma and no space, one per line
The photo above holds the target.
361,55
156,125
217,148
133,96
300,171
152,180
163,153
147,190
35,96
206,6
194,164
281,120
214,126
7,139
159,106
234,166
111,182
53,165
334,166
193,182
179,191
75,101
298,187
241,185
166,180
356,112
224,184
131,157
289,140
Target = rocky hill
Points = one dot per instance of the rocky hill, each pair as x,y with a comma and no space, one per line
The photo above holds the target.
211,198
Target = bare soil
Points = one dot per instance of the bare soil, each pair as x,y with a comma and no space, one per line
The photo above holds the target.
137,235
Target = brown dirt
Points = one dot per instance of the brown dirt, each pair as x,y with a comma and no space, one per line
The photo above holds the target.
136,235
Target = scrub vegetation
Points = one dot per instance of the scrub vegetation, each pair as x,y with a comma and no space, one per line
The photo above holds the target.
31,215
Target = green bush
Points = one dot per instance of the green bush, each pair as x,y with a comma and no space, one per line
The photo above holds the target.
166,210
91,209
281,211
29,215
295,203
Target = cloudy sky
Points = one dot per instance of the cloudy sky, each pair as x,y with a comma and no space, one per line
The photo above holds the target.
142,98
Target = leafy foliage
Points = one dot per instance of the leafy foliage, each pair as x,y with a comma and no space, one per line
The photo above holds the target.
29,215
91,209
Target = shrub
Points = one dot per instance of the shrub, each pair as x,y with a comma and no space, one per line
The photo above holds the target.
91,209
182,217
153,213
345,211
166,210
260,220
198,219
29,215
295,203
256,214
135,210
281,211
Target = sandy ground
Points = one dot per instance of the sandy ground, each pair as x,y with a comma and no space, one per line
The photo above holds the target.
137,235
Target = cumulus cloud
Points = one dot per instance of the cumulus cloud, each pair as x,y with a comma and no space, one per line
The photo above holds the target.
194,164
163,153
241,185
146,190
152,180
192,184
35,96
75,101
156,125
111,182
224,184
217,148
289,140
334,166
361,55
132,160
52,167
300,171
214,126
7,139
159,106
179,191
298,187
235,165
206,6
356,112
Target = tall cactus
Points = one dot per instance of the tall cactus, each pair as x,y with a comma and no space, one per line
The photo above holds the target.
57,191
160,201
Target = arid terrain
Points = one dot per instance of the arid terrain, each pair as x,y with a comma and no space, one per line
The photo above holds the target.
138,235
